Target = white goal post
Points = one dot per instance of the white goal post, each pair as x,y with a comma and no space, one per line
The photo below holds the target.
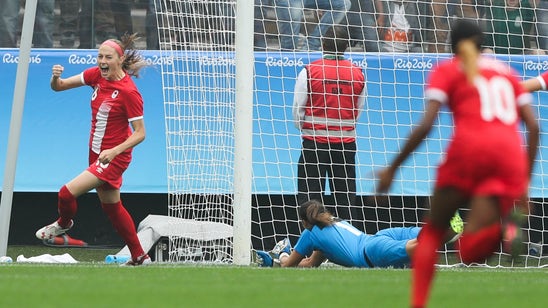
15,123
232,147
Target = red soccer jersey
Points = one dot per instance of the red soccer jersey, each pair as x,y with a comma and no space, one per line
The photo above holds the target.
113,105
486,154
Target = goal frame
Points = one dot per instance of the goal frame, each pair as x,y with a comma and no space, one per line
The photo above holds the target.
16,122
403,69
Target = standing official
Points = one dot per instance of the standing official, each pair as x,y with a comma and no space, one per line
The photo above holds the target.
329,95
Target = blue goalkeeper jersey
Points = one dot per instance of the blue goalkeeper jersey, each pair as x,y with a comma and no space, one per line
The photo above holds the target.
343,244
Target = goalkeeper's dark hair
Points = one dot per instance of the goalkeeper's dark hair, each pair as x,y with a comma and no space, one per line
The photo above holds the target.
463,29
133,61
335,40
315,213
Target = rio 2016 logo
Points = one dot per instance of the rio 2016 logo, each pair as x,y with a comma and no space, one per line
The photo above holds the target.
284,61
13,59
413,63
91,59
82,59
535,66
361,63
213,61
158,60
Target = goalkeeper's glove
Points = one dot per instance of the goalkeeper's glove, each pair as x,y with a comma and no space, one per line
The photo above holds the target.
457,226
264,259
272,258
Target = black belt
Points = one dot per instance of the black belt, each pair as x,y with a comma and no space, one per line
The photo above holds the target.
367,260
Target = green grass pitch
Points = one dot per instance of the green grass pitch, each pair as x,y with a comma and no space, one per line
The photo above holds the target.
93,283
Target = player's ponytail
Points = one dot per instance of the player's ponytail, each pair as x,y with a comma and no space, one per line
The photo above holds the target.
466,40
133,61
315,213
468,54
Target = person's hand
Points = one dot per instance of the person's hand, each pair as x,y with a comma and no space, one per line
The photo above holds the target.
57,70
106,156
306,262
263,258
385,177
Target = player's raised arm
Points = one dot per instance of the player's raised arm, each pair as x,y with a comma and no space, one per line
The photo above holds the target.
60,84
532,84
536,83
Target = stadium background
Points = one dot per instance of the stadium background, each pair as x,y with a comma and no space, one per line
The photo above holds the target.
53,146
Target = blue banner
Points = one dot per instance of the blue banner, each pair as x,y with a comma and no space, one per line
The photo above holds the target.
53,146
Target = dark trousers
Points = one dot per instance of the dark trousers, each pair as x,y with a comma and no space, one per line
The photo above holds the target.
321,164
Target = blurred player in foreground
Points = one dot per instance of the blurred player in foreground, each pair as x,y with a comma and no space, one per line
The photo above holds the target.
328,238
116,105
486,166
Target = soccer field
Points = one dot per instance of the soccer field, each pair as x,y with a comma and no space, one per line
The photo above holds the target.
96,284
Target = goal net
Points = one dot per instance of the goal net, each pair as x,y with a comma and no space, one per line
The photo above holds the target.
198,46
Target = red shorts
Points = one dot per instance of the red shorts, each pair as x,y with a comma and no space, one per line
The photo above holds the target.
485,173
110,173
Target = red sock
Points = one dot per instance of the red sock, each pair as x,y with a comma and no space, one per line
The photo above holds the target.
423,261
123,223
66,206
478,246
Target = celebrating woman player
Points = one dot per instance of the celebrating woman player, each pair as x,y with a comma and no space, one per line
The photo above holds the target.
115,102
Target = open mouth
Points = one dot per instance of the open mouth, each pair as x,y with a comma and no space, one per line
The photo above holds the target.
104,70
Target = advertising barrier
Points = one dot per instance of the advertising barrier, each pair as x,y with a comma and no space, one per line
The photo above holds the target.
54,136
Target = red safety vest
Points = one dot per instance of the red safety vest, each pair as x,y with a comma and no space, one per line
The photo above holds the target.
334,86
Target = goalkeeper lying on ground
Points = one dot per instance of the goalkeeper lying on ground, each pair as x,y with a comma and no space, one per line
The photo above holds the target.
328,238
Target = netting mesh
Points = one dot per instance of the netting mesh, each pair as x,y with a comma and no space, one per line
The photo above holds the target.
197,36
